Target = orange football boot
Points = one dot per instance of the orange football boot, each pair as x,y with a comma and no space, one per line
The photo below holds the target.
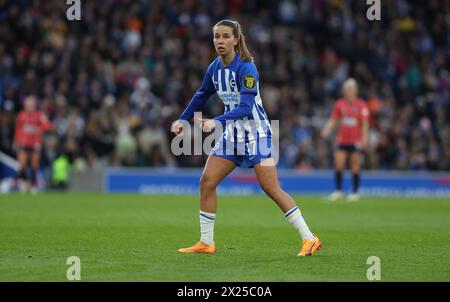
309,247
199,247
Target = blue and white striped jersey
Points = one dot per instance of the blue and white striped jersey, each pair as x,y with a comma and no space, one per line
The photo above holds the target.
237,85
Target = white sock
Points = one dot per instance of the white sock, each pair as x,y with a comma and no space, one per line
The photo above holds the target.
294,216
207,227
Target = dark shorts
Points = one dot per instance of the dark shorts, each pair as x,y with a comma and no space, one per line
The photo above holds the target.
29,149
348,148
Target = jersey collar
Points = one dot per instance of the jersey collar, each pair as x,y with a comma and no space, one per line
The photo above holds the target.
236,57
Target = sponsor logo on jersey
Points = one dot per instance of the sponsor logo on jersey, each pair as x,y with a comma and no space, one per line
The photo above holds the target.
349,121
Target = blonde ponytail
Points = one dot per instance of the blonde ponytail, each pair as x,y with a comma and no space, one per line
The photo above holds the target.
241,46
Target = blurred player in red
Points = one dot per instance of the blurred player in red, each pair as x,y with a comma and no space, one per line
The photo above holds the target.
30,125
351,114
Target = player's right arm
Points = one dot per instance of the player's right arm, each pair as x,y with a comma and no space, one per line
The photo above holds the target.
18,131
332,122
365,126
198,100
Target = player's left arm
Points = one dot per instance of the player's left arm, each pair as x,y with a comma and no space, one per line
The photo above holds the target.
45,123
365,127
248,89
242,110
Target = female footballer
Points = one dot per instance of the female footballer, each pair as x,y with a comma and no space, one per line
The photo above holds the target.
30,125
234,77
352,116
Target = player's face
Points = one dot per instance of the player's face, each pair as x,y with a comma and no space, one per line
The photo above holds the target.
350,91
30,103
224,40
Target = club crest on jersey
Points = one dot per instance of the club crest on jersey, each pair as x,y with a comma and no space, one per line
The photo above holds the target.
249,81
232,83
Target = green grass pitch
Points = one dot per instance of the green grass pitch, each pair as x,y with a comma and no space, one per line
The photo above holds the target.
135,238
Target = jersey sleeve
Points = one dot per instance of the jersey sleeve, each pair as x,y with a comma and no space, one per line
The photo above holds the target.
248,79
365,112
201,96
336,113
243,109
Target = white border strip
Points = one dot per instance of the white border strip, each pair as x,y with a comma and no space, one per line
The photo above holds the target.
9,161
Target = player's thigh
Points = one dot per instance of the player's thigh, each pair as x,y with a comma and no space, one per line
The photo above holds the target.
267,175
355,161
340,157
35,159
216,168
22,158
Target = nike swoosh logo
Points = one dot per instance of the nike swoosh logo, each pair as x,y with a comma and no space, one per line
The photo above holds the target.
312,246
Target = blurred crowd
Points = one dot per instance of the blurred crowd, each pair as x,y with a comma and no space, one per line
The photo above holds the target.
113,82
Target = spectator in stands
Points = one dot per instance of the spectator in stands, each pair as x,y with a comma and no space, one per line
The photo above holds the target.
150,55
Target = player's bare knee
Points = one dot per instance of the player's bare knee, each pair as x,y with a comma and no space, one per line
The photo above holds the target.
338,168
207,182
356,167
270,190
